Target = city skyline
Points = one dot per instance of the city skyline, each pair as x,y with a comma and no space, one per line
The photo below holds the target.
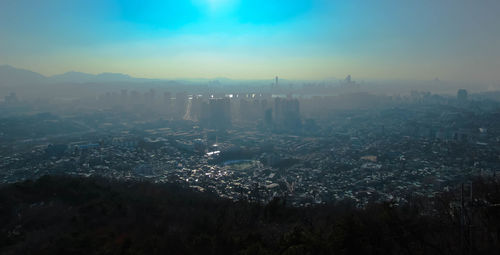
415,40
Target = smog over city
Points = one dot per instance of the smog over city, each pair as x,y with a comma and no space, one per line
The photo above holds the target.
249,127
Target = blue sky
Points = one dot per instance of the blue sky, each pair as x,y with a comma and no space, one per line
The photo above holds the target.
255,39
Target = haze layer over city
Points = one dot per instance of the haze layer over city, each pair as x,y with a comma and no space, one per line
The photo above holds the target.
249,127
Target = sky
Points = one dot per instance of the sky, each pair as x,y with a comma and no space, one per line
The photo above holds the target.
456,40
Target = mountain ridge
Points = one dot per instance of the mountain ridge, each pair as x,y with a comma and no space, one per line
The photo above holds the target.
10,75
16,76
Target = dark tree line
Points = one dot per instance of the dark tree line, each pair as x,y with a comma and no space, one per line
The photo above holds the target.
69,215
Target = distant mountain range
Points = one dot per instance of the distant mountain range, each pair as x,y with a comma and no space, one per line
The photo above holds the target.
13,76
96,78
16,76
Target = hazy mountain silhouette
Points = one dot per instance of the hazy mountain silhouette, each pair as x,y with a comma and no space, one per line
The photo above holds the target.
14,76
79,77
73,77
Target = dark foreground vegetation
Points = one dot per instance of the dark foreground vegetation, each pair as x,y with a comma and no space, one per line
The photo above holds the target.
68,215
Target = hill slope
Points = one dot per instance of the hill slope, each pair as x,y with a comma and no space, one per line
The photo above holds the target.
67,215
14,76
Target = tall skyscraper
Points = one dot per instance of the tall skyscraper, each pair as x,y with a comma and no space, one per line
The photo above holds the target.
124,94
11,98
348,79
167,97
462,95
287,113
167,103
180,105
219,113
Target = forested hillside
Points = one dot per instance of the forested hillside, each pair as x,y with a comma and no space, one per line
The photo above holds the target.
69,215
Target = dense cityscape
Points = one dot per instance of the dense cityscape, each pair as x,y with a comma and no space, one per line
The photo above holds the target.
249,127
310,149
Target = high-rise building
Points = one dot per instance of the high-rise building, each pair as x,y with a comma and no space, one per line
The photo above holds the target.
124,95
167,97
180,105
219,113
268,117
196,109
150,97
287,113
167,103
462,95
348,79
250,109
11,98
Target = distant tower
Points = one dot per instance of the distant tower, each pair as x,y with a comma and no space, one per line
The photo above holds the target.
219,113
462,95
276,82
287,113
124,94
180,105
11,98
348,79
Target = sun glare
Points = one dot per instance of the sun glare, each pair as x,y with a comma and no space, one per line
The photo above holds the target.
216,6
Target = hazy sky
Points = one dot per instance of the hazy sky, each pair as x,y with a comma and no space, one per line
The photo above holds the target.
295,39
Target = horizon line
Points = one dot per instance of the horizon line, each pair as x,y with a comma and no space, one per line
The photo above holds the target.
271,79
